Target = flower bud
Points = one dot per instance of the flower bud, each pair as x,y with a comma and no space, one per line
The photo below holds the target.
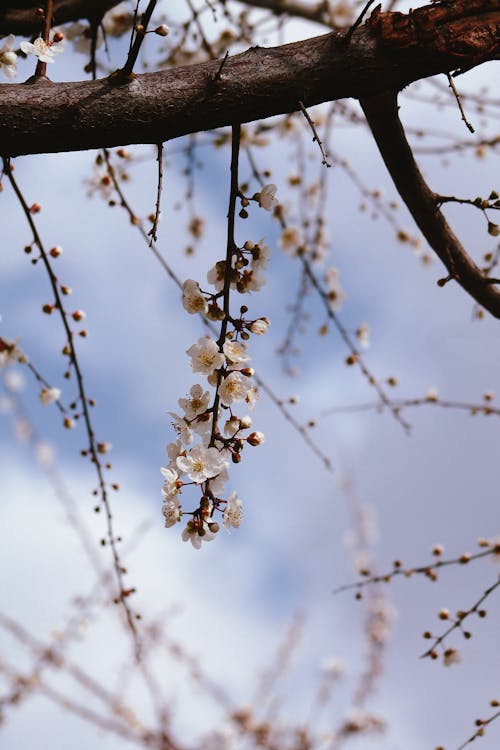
259,326
162,30
78,315
256,438
55,252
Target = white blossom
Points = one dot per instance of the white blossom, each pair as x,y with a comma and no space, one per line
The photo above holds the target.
8,58
48,395
45,51
172,512
451,656
259,326
260,256
233,388
170,486
232,426
363,335
290,241
252,281
233,512
202,463
197,404
174,450
266,198
10,353
252,396
215,275
193,300
182,428
205,356
118,20
235,351
336,295
218,483
191,534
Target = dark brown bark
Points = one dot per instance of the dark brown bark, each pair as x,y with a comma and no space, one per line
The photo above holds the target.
25,22
48,117
382,114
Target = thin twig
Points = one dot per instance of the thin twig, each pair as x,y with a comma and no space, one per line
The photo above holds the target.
457,97
316,137
357,22
127,69
159,157
93,447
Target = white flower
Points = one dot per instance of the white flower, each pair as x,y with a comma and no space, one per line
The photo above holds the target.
205,356
118,20
233,388
232,426
432,394
267,198
260,326
233,512
335,293
192,533
218,483
170,486
451,656
8,58
215,275
174,450
48,395
290,241
172,512
43,50
182,428
260,256
193,300
363,335
195,405
10,353
252,396
202,463
203,428
235,352
251,281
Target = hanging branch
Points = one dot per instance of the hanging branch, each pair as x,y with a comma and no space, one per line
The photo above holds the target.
93,450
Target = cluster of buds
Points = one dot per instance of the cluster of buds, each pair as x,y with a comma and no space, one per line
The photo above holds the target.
210,435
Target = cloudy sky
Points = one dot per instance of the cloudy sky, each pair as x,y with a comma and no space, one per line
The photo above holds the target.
231,604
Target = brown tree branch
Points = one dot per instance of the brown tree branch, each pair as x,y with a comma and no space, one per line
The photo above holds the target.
24,21
381,112
259,83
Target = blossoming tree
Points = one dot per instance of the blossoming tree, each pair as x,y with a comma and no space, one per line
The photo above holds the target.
245,76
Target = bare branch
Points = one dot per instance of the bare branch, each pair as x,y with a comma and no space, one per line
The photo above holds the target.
382,114
259,83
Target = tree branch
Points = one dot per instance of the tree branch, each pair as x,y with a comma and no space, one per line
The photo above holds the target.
259,83
381,112
24,21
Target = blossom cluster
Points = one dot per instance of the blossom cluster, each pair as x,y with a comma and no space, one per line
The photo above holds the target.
210,435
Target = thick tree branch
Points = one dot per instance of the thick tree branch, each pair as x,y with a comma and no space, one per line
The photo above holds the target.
25,22
382,114
49,117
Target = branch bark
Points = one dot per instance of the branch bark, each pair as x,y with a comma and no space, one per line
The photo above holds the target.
382,115
25,22
45,117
